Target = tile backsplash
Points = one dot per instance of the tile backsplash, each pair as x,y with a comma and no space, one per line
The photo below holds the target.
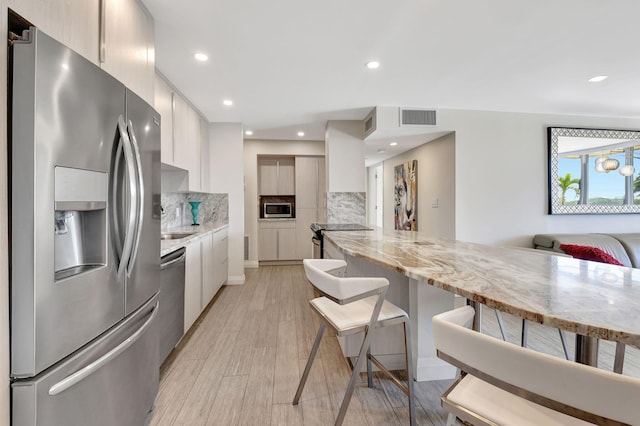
177,210
346,207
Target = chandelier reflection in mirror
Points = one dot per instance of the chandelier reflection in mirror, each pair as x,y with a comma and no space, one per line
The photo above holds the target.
593,171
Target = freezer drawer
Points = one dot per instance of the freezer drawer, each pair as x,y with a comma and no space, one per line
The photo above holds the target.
119,389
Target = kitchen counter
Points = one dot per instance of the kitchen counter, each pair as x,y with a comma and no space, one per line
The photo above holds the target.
594,300
168,246
589,298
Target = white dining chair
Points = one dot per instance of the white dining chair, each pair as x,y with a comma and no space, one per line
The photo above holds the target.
355,305
504,384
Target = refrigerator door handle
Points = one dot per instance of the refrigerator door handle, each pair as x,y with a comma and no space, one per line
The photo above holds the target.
140,193
133,197
85,372
115,172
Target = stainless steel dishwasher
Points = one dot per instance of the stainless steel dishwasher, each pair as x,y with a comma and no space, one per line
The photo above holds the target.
171,310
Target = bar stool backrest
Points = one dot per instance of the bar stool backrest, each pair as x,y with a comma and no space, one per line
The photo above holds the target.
575,389
339,289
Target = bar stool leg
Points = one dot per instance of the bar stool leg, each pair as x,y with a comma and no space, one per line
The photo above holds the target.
618,363
369,368
410,373
307,368
565,346
501,326
354,375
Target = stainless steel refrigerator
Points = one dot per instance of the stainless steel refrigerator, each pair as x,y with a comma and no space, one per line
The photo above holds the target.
85,249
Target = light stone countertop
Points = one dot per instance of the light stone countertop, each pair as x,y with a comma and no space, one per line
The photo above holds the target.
168,246
589,298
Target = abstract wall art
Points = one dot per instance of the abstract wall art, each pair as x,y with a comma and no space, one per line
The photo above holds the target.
406,192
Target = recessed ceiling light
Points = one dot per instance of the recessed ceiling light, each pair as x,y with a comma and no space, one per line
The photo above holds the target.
248,132
227,102
200,57
300,134
393,144
372,65
381,151
598,78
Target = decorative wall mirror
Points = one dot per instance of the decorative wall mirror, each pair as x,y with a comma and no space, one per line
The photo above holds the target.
593,171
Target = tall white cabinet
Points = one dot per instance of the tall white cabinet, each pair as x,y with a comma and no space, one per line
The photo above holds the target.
311,205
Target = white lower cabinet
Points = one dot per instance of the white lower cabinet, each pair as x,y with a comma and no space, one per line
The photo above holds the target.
192,284
277,239
220,257
206,270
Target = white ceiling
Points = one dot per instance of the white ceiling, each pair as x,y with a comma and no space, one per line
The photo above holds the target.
291,65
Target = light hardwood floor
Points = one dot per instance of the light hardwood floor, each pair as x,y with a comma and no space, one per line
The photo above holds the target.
241,362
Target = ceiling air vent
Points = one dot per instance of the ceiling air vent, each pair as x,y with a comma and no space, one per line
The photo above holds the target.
370,123
417,117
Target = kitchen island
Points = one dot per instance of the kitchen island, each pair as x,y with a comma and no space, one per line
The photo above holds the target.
593,300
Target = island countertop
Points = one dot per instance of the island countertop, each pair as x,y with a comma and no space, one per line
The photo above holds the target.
589,298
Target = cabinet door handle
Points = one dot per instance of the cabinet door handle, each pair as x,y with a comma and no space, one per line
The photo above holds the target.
278,176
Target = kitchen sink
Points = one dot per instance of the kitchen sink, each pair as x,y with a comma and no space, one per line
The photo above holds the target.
175,235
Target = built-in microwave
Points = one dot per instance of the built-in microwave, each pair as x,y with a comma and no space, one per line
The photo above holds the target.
271,210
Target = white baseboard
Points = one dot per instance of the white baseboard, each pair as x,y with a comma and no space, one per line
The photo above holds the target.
235,279
251,264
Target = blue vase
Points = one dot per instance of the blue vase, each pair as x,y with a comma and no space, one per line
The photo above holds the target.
195,207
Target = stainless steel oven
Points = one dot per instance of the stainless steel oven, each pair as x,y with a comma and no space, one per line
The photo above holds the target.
275,210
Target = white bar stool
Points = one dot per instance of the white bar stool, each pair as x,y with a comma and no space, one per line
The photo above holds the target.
505,384
355,305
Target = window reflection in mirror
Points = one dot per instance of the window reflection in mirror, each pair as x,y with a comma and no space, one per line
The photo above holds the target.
593,171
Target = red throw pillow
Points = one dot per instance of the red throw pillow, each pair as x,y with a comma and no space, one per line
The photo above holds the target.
589,253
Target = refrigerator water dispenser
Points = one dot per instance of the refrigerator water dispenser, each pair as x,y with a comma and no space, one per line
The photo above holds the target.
80,221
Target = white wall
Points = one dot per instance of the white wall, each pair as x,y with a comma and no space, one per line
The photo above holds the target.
436,179
253,148
344,156
227,176
501,177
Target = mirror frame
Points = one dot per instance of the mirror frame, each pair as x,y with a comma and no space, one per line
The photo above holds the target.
554,196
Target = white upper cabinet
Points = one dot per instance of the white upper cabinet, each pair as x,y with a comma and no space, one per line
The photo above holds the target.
184,134
181,152
164,106
72,22
276,176
194,150
187,140
118,35
127,48
205,170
